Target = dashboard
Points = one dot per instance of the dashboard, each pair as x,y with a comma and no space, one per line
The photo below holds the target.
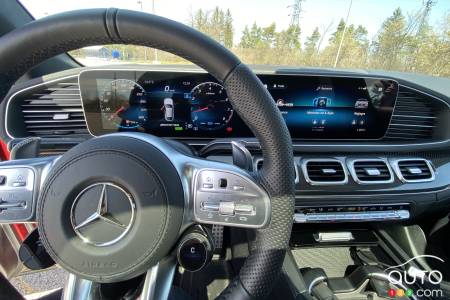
367,146
189,105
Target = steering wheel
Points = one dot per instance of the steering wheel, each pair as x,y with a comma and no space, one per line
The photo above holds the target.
115,206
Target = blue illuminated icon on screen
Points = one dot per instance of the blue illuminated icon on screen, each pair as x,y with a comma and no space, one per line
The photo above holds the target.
321,102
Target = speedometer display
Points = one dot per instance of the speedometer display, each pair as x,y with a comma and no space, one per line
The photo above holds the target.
210,108
123,104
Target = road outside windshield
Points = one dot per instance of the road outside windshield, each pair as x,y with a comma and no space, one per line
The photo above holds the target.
397,35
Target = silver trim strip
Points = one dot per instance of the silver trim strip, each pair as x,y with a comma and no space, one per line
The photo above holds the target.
337,236
372,216
359,196
412,125
418,117
315,282
347,205
425,93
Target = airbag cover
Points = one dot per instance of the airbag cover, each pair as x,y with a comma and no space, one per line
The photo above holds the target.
111,208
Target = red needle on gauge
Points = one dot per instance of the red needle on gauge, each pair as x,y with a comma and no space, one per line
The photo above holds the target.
118,111
201,109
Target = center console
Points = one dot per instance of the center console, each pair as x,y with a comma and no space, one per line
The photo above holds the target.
349,262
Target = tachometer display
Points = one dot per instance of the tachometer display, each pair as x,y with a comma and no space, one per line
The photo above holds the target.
210,108
123,103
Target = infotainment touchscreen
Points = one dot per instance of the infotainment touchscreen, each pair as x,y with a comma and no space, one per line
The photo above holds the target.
325,107
195,105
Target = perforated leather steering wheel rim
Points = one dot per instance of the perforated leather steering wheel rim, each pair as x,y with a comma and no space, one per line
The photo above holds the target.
37,41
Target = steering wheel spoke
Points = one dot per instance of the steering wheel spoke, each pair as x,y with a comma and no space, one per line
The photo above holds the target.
157,283
20,183
158,280
224,194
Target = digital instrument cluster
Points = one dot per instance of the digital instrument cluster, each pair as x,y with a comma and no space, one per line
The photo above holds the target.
195,105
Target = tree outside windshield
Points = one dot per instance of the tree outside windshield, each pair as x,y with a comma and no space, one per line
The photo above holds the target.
407,40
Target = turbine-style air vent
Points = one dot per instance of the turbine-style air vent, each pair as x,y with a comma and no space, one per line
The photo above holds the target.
414,170
415,116
371,171
52,110
324,171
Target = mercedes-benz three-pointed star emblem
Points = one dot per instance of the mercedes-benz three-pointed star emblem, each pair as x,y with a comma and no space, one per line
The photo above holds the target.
102,214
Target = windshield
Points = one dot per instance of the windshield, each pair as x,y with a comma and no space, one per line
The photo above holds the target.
397,35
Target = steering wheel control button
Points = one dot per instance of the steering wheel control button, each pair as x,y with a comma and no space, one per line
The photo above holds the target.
226,208
241,203
244,209
223,183
6,205
195,249
19,183
210,206
16,193
17,177
107,222
208,185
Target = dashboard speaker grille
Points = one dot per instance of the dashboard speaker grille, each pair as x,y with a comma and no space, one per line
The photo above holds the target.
372,171
415,170
415,116
325,171
53,109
